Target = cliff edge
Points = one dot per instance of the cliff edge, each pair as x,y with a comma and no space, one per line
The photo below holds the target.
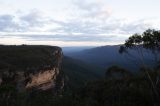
31,67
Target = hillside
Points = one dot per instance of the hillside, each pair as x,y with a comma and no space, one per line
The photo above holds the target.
67,50
107,56
50,80
78,72
31,59
129,91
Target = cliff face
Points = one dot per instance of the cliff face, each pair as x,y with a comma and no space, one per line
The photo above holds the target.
31,67
43,78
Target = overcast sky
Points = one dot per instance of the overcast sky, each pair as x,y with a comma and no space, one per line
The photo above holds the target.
75,22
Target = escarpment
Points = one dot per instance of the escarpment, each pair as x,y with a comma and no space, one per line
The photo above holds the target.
31,67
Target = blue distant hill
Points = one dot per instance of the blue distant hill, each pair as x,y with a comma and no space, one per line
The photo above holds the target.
106,56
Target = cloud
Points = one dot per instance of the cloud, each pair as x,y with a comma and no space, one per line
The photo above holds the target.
109,26
72,30
62,37
33,19
7,23
28,22
95,24
137,26
95,18
92,9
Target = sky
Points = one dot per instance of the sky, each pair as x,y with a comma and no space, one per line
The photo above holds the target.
75,22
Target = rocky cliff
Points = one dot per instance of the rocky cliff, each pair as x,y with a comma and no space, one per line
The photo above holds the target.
31,67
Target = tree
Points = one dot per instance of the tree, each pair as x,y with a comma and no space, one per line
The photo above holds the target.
150,39
117,72
8,95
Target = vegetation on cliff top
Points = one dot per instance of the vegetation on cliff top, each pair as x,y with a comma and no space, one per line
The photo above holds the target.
24,57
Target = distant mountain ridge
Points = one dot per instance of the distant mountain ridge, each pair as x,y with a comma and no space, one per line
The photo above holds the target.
106,56
67,50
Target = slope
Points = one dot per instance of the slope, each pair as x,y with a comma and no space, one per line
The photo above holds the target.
107,56
78,72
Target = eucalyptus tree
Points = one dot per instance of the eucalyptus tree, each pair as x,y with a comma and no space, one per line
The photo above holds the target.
150,39
117,72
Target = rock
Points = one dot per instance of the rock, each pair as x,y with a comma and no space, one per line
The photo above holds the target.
31,67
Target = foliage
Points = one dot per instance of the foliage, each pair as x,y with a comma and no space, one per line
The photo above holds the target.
117,72
127,91
77,72
22,57
150,39
7,95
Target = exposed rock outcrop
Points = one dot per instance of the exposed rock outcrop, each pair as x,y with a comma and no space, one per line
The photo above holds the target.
31,67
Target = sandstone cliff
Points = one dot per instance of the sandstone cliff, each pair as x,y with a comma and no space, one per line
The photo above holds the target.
31,67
